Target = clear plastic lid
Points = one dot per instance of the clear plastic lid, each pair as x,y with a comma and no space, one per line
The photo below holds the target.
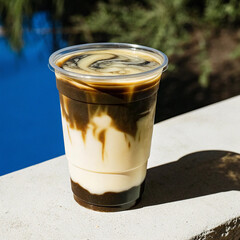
160,56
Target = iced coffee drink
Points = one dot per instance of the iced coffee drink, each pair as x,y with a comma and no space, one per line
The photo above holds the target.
108,96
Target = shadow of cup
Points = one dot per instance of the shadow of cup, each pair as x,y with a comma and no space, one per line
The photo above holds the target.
194,175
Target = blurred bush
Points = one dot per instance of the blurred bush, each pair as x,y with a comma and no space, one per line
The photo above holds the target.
171,26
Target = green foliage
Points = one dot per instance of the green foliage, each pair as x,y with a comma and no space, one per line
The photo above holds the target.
205,69
219,12
203,60
162,24
236,53
150,26
14,12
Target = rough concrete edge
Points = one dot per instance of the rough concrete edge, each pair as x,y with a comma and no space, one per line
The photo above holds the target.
227,231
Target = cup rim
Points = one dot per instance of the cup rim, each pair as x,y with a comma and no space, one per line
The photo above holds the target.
111,78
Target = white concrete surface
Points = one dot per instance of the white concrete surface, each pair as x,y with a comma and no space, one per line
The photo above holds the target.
193,186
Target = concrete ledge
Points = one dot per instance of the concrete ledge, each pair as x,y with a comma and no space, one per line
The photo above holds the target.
192,188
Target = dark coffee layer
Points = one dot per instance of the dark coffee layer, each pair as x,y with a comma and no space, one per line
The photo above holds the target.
124,116
105,208
112,200
106,93
123,106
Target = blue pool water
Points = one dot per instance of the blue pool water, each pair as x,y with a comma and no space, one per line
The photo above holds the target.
30,121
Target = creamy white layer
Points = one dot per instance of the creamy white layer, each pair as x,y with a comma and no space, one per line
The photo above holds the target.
100,183
118,165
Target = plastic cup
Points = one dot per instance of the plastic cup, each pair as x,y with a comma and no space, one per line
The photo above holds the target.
107,126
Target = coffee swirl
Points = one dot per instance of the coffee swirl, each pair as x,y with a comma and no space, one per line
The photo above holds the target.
107,62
